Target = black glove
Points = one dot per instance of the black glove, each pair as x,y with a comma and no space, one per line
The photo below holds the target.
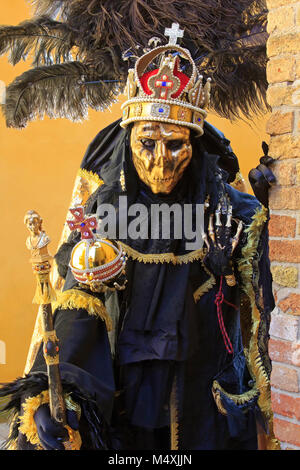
52,434
262,178
218,260
219,240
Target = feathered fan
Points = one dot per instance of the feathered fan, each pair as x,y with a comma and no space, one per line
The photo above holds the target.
78,47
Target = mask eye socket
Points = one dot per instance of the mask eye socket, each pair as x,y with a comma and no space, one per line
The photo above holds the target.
148,144
175,144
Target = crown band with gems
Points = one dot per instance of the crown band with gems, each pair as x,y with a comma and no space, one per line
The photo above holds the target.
166,94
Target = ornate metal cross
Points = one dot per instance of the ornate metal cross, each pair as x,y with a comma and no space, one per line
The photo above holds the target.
84,225
174,33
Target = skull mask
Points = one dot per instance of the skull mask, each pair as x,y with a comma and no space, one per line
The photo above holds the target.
160,153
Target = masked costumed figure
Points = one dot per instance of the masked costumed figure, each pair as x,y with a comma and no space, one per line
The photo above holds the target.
163,337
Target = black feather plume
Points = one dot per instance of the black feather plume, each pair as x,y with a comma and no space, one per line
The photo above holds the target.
92,424
50,41
226,38
47,7
57,91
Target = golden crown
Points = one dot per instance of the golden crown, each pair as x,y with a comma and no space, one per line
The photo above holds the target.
166,93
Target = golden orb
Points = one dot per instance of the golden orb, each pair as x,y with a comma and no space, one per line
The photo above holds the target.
88,254
95,262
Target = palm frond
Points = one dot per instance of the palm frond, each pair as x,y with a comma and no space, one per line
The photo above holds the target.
64,90
49,41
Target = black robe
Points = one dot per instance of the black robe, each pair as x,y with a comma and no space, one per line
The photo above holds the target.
164,376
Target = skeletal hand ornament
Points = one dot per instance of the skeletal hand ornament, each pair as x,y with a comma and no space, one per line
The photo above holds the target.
220,243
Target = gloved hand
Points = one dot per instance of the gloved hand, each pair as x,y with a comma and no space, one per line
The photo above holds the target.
262,178
220,240
52,434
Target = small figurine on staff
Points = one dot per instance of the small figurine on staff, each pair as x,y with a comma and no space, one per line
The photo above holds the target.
37,243
38,239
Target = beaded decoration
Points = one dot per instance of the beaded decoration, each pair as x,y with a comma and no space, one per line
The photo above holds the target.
166,94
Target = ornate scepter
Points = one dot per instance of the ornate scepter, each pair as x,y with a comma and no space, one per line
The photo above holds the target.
40,259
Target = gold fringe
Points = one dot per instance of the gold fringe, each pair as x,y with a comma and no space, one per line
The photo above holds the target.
28,426
86,183
27,423
245,266
163,257
74,442
174,424
237,399
76,299
44,293
93,179
218,400
205,287
249,251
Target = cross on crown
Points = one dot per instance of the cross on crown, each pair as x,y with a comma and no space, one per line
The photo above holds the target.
164,84
84,224
174,33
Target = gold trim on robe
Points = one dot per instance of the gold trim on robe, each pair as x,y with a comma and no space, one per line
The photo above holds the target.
163,257
252,353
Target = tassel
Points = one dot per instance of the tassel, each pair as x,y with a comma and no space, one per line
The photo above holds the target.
44,294
218,301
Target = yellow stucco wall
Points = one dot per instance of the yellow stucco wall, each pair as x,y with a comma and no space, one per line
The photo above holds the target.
37,171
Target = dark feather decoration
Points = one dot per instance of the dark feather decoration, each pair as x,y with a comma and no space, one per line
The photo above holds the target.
227,40
57,91
49,40
47,7
92,424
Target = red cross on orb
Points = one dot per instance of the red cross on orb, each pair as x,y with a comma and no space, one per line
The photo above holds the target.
165,85
84,225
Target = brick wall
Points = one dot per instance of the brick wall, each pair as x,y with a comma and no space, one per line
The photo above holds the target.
283,72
